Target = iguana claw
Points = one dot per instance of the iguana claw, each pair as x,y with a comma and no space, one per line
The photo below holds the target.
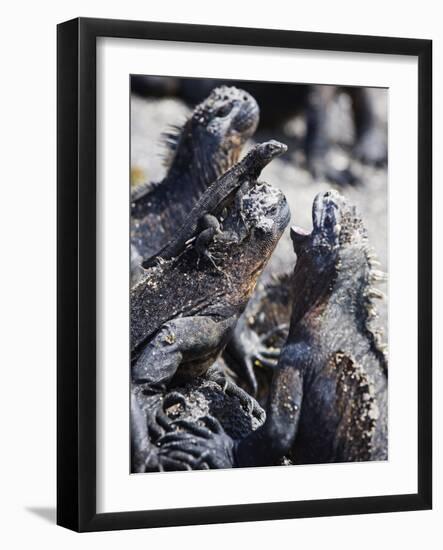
171,399
200,447
231,389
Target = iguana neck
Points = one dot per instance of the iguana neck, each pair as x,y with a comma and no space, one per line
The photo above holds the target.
337,290
340,295
312,286
195,168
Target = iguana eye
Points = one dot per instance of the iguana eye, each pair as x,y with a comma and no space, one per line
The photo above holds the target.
223,111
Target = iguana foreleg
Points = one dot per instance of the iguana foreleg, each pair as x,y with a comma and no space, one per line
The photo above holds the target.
192,342
181,340
272,441
210,226
216,374
247,349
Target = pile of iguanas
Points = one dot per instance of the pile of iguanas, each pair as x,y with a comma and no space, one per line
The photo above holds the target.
207,338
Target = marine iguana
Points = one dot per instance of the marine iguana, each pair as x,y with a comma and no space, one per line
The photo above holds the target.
195,404
208,144
212,202
328,398
260,333
183,312
149,305
313,101
203,218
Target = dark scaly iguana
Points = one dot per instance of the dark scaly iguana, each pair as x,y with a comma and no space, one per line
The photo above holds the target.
202,223
312,101
183,312
259,335
208,144
214,199
150,307
328,398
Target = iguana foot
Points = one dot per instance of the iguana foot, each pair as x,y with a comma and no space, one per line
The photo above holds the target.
210,227
173,403
231,389
211,258
267,354
157,423
247,349
150,403
155,410
196,446
247,401
264,354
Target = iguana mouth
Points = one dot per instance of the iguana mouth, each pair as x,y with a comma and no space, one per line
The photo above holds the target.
327,212
246,119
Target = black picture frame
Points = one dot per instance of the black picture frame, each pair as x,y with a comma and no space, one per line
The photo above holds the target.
76,265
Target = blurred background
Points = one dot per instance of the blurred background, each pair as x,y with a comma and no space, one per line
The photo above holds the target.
350,153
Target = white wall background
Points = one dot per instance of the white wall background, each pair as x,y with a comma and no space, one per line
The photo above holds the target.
27,288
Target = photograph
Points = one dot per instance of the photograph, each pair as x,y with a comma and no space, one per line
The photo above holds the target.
244,248
258,274
230,220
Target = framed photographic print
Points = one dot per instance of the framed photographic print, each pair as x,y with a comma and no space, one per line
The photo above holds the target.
244,274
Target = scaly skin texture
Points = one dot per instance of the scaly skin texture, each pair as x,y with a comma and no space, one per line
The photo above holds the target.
220,193
313,101
209,143
260,334
183,310
190,407
328,398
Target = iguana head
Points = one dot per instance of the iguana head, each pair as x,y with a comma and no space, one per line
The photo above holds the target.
219,284
252,228
211,140
261,155
335,262
335,224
